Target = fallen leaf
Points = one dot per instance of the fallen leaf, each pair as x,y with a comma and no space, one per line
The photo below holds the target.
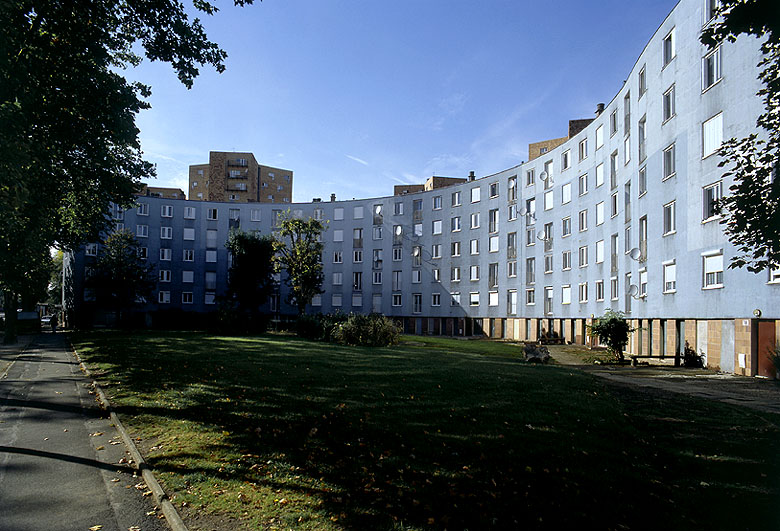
133,528
101,447
96,434
96,528
115,480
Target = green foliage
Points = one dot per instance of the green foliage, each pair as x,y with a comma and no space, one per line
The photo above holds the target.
751,213
373,330
299,253
120,277
613,330
250,281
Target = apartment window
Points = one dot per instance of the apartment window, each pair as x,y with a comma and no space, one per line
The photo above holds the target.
186,297
377,278
600,213
358,212
710,9
712,135
435,299
336,300
357,257
417,206
143,253
338,235
417,256
437,202
565,160
456,199
530,236
599,136
357,300
626,154
493,190
512,187
493,244
548,200
529,177
455,274
357,281
566,193
642,138
566,260
492,298
455,298
166,211
512,215
377,258
475,220
338,257
627,114
643,238
493,220
642,80
670,223
511,244
583,220
670,277
613,122
566,294
547,174
613,288
583,149
455,249
338,278
642,181
710,196
188,234
210,280
166,233
511,302
338,214
475,195
416,276
548,264
668,104
583,184
613,205
474,247
436,227
599,290
397,254
668,48
583,292
474,298
377,232
212,214
164,297
143,209
530,297
188,255
710,69
165,275
142,231
165,255
774,276
669,162
474,273
530,270
600,251
398,209
436,250
319,215
397,300
583,256
455,224
530,207
511,269
643,282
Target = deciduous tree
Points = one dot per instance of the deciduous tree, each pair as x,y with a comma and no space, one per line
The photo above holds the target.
751,212
299,254
612,330
250,281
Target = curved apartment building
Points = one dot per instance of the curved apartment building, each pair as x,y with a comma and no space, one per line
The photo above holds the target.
618,215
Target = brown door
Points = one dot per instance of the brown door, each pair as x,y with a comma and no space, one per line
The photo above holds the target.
765,343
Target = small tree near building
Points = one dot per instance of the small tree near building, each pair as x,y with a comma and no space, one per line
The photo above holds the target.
612,330
120,278
250,280
299,253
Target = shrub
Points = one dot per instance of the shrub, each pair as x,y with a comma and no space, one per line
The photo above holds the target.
330,325
373,330
691,359
612,329
309,326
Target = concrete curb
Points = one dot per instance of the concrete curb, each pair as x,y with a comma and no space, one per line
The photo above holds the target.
160,497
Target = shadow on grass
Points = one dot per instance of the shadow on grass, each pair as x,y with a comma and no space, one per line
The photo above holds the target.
428,437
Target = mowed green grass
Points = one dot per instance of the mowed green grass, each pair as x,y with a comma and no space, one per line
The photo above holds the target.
284,433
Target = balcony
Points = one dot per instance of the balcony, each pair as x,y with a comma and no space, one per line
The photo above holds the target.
511,252
613,262
241,163
357,243
548,244
643,250
417,215
238,174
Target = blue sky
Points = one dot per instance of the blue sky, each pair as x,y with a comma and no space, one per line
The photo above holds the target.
357,96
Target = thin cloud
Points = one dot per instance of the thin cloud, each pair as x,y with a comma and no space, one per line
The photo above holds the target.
361,161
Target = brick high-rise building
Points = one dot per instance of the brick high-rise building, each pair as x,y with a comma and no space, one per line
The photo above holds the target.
237,177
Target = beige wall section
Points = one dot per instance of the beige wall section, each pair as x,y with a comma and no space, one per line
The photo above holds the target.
713,344
199,182
275,185
743,346
690,333
537,149
579,332
534,330
671,337
236,176
434,182
656,331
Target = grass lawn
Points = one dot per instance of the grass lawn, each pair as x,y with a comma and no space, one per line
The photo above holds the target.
284,433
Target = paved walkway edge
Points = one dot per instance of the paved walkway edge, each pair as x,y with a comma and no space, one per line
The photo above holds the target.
160,497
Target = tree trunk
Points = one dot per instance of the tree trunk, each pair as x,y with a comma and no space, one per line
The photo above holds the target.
9,305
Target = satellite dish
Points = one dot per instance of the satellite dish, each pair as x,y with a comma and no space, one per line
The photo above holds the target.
543,176
523,211
398,230
512,183
378,209
635,253
416,251
541,236
633,289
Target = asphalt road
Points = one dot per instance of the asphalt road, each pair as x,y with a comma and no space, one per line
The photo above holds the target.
62,465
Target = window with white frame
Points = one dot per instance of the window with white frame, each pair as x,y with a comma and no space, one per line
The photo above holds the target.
712,135
474,273
668,109
455,298
186,297
512,215
512,188
566,294
397,254
164,297
613,202
455,249
165,275
583,218
599,136
188,277
548,200
493,244
566,260
435,299
212,214
143,253
336,300
710,69
188,255
398,209
668,47
316,300
338,257
774,276
436,250
599,290
583,256
712,270
599,251
357,257
670,221
142,231
474,298
530,236
511,302
599,177
600,213
437,202
566,227
475,195
548,264
493,189
455,274
529,177
492,298
642,81
565,160
338,235
376,278
474,246
416,276
583,149
188,234
583,184
165,255
583,288
143,209
338,214
566,193
455,224
358,212
530,297
397,299
669,162
643,282
475,220
642,181
670,276
456,199
710,10
710,196
613,122
511,269
613,288
530,270
337,278
436,229
166,211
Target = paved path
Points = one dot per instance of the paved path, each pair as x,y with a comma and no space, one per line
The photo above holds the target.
62,464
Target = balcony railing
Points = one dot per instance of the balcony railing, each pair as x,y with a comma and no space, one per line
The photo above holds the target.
357,243
643,250
614,262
